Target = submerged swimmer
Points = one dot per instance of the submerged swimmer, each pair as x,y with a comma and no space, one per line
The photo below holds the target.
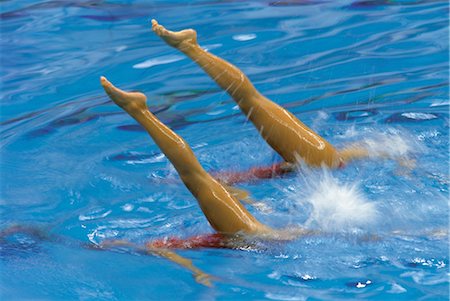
285,133
232,221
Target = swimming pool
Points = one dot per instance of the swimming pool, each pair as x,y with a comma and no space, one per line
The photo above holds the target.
77,167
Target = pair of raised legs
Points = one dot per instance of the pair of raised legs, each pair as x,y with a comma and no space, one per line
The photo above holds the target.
286,134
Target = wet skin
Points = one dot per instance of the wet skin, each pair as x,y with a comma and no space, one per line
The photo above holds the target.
287,135
235,226
223,211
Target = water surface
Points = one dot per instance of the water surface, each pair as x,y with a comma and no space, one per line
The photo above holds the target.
77,167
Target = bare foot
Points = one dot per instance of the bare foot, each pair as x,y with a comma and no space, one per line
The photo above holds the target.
179,39
129,101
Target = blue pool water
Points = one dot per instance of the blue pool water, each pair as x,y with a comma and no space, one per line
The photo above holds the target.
75,166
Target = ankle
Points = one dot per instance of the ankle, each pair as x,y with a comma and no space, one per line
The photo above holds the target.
188,46
135,108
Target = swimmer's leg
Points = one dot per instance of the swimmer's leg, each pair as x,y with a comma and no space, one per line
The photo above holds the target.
41,236
223,211
282,131
256,173
199,276
34,232
37,234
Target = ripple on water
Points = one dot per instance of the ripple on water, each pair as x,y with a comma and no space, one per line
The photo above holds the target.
396,289
355,115
133,157
244,37
95,214
167,59
361,62
412,117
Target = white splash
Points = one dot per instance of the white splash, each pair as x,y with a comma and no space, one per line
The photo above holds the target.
167,59
391,145
336,206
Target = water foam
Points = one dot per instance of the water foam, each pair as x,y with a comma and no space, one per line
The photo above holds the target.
335,206
390,144
393,145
